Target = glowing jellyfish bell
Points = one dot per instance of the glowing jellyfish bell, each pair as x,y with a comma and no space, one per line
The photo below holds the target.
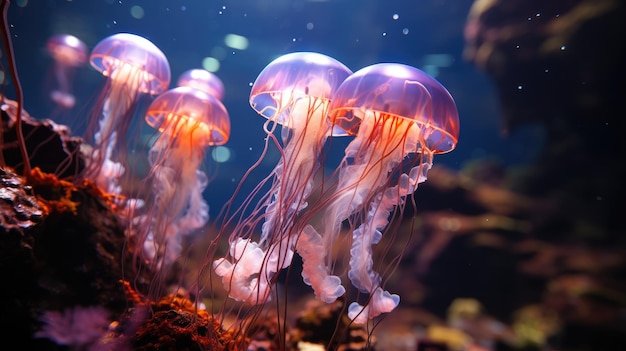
133,66
293,93
203,80
188,121
68,53
393,111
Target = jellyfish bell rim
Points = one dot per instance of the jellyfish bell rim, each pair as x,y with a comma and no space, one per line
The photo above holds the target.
283,76
127,49
163,109
270,112
422,99
445,137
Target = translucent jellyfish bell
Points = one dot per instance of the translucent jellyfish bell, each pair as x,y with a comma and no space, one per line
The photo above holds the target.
188,121
190,113
393,110
401,91
132,65
67,49
291,81
203,80
129,58
68,53
293,92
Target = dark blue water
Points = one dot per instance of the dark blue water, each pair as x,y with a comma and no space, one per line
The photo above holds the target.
427,34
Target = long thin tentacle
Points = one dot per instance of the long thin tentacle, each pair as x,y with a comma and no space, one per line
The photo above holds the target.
8,48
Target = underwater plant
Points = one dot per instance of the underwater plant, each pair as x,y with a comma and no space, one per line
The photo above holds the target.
293,92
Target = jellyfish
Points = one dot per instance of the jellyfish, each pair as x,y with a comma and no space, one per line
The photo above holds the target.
293,92
132,65
203,80
68,53
188,120
400,117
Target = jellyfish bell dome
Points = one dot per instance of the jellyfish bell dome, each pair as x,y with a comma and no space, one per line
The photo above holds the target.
189,111
121,55
397,90
295,76
203,80
67,49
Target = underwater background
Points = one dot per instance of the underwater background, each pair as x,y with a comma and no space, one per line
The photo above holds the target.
520,243
426,35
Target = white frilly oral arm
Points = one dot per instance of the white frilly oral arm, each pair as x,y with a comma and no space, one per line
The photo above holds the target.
369,233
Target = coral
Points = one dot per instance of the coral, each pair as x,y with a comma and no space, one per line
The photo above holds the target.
62,246
176,323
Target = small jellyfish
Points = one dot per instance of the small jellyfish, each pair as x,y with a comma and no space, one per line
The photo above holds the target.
68,52
400,117
293,92
133,66
188,121
203,80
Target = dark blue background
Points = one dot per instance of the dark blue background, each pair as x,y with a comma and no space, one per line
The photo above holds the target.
357,33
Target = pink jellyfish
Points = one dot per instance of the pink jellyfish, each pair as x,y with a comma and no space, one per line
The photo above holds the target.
398,114
68,52
132,65
188,120
203,80
293,91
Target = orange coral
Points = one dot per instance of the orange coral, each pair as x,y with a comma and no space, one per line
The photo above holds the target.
55,194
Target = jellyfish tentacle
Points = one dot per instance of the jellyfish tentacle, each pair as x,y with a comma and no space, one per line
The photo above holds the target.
116,105
249,279
361,273
304,140
358,184
132,65
292,185
310,247
393,110
178,185
401,138
188,120
62,73
293,91
197,213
